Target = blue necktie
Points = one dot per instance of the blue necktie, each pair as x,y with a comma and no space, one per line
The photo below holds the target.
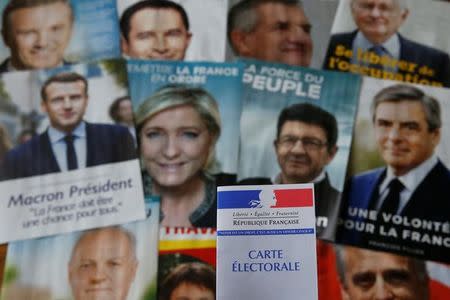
379,51
71,156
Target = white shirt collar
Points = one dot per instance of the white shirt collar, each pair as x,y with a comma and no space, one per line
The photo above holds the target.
413,178
391,46
56,135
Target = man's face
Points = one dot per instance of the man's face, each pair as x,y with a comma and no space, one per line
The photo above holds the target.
156,34
371,275
402,135
378,20
126,111
39,35
188,291
302,161
103,266
65,104
282,35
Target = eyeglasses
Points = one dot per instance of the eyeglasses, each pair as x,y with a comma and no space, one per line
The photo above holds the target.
308,143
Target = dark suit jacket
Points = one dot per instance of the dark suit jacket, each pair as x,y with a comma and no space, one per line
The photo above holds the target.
105,144
4,66
327,203
410,51
428,202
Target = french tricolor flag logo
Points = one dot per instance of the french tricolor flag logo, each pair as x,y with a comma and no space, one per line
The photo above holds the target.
266,198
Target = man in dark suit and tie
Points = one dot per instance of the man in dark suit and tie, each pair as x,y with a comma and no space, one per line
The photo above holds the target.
69,142
376,48
414,184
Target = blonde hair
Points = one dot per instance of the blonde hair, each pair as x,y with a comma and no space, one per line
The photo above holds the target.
196,97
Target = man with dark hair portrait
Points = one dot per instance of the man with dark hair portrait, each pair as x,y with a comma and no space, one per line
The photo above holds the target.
37,33
271,30
407,125
377,38
103,264
305,145
155,29
189,281
366,274
69,142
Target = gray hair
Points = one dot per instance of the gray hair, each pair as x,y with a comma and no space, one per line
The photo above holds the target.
196,97
243,17
129,235
403,92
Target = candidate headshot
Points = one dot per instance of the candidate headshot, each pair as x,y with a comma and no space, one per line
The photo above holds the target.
189,281
69,142
377,33
37,32
271,30
155,29
178,128
371,275
407,125
306,142
103,264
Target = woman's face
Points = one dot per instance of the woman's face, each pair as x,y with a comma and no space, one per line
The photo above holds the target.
175,144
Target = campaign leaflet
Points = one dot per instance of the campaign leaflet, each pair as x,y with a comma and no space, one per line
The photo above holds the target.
324,104
423,279
185,253
286,42
163,34
113,262
187,118
266,236
47,35
402,141
411,45
64,165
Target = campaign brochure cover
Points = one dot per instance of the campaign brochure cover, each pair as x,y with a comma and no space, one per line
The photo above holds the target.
46,34
266,242
395,198
65,165
393,40
113,262
292,33
187,120
190,30
185,253
283,105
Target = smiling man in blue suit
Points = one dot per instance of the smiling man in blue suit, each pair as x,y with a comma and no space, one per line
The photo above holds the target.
69,142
